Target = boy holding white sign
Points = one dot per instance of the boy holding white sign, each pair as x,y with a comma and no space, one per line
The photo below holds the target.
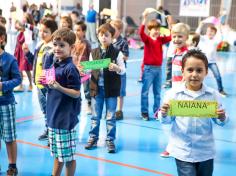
105,87
191,141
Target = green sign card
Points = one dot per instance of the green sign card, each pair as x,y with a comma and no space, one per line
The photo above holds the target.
96,64
194,108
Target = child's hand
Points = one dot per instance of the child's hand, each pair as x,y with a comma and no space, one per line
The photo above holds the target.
53,85
164,109
41,79
145,14
80,68
221,114
114,67
25,48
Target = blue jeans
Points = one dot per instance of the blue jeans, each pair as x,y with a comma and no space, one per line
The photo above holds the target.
151,76
123,85
216,73
97,107
204,168
42,102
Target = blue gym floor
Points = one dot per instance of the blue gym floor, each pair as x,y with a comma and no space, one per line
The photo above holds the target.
138,142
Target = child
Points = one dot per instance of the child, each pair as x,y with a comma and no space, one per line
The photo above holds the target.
66,22
63,102
191,141
23,63
80,53
179,33
105,88
152,63
121,44
47,27
9,78
208,44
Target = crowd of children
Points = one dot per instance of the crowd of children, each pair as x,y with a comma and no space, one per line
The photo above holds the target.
62,50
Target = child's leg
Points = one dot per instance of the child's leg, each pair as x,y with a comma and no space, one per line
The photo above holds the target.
70,168
57,167
28,73
215,70
11,152
120,103
205,168
186,168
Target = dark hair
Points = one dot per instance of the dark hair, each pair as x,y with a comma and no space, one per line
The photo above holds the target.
64,34
3,20
196,53
3,32
51,24
196,39
106,28
82,25
75,12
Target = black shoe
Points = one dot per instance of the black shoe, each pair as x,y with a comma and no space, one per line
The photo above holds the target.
119,115
145,116
111,148
167,86
92,143
43,136
223,93
12,171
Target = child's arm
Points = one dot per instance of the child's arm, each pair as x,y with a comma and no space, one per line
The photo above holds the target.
119,68
199,28
162,112
142,34
28,54
222,118
70,92
15,78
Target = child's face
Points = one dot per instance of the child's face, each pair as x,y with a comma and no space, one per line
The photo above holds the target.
210,33
61,49
194,72
105,39
45,33
79,32
154,32
179,40
64,23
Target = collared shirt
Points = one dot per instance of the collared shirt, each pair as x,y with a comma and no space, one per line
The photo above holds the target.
191,138
63,110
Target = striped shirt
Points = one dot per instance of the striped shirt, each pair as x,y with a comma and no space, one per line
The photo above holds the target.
177,66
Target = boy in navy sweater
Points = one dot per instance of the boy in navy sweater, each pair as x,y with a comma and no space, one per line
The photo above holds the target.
63,101
9,78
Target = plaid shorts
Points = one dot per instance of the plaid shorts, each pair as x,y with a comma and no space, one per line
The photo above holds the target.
62,143
8,122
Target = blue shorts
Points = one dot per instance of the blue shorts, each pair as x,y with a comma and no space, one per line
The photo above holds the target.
62,144
8,123
123,85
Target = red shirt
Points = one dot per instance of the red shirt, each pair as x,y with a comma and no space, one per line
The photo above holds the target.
153,54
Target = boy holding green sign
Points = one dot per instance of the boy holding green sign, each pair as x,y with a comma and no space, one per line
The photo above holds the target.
105,87
191,141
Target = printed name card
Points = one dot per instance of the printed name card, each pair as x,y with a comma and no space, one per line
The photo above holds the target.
49,75
96,64
194,108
